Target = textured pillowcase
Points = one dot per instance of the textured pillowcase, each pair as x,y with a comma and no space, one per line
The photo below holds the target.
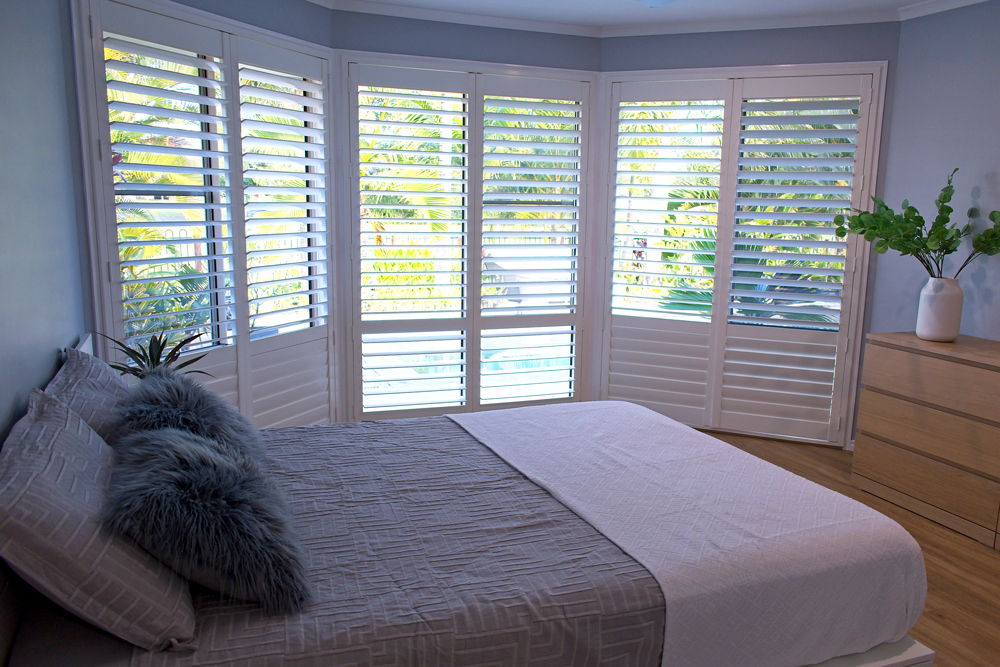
91,389
192,486
53,473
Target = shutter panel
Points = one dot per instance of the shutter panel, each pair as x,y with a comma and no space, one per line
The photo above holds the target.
532,162
284,175
413,165
796,171
796,168
666,208
168,118
667,170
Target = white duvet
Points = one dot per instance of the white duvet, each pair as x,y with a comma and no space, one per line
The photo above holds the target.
758,566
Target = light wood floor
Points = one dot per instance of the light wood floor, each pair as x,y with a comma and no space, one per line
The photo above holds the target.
962,618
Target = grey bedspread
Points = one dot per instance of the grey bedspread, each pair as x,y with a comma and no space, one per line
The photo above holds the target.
425,548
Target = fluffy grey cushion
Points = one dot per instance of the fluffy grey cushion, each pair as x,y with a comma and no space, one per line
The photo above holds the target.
192,486
164,399
219,522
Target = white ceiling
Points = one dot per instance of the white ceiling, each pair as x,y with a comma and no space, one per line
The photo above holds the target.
607,18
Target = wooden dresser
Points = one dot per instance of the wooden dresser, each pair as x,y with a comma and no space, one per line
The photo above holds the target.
929,422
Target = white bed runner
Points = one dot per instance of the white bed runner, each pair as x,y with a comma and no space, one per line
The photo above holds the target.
758,566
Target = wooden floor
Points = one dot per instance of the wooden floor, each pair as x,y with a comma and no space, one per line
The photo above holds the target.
962,618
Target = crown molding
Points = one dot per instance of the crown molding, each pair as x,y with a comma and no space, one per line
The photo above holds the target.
928,7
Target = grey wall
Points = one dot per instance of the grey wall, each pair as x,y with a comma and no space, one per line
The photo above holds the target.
946,114
43,303
842,43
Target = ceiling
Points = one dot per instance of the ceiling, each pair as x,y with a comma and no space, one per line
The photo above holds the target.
608,18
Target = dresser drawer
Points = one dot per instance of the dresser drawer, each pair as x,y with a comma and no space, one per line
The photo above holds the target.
956,386
963,494
965,442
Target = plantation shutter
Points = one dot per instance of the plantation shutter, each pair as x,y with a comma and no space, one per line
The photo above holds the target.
413,188
531,182
798,144
285,145
170,159
749,333
284,175
667,174
191,247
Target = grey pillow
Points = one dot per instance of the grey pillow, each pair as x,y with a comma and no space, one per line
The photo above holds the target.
91,389
191,484
53,473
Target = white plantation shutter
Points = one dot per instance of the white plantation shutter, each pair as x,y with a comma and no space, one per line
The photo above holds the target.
667,177
666,207
413,212
797,157
214,207
285,146
796,169
168,119
454,166
747,334
532,166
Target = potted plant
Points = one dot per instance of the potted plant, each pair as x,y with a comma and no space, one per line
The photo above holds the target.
939,314
150,357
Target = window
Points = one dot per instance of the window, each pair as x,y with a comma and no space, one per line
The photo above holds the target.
214,164
469,201
732,297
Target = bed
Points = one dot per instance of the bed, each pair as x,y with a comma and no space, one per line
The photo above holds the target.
572,534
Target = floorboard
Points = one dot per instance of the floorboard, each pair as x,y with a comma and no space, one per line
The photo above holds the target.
962,619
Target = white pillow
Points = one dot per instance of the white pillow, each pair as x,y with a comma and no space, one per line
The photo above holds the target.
54,470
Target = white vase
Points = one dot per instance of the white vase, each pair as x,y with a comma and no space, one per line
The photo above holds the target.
939,315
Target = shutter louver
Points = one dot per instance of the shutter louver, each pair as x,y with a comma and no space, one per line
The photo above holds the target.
413,159
796,170
284,174
168,120
666,208
527,364
413,370
531,203
532,152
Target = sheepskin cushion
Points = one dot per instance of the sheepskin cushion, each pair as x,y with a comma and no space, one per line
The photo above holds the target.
216,520
91,389
165,399
191,485
53,473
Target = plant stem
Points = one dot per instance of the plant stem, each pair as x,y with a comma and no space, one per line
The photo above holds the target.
966,262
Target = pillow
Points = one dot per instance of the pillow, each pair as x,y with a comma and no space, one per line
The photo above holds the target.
213,517
53,473
91,389
165,399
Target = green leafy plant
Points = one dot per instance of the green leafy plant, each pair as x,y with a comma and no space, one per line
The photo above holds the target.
150,356
907,232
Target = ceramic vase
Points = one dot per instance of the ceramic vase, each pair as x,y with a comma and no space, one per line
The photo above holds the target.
939,314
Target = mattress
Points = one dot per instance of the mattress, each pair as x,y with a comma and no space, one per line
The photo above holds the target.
757,565
425,548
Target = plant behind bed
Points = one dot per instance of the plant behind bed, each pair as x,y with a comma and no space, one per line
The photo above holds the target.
151,356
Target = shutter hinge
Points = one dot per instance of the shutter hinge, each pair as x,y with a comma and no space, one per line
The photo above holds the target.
839,419
90,19
100,150
110,279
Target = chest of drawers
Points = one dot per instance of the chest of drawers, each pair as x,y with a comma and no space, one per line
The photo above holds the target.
929,430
